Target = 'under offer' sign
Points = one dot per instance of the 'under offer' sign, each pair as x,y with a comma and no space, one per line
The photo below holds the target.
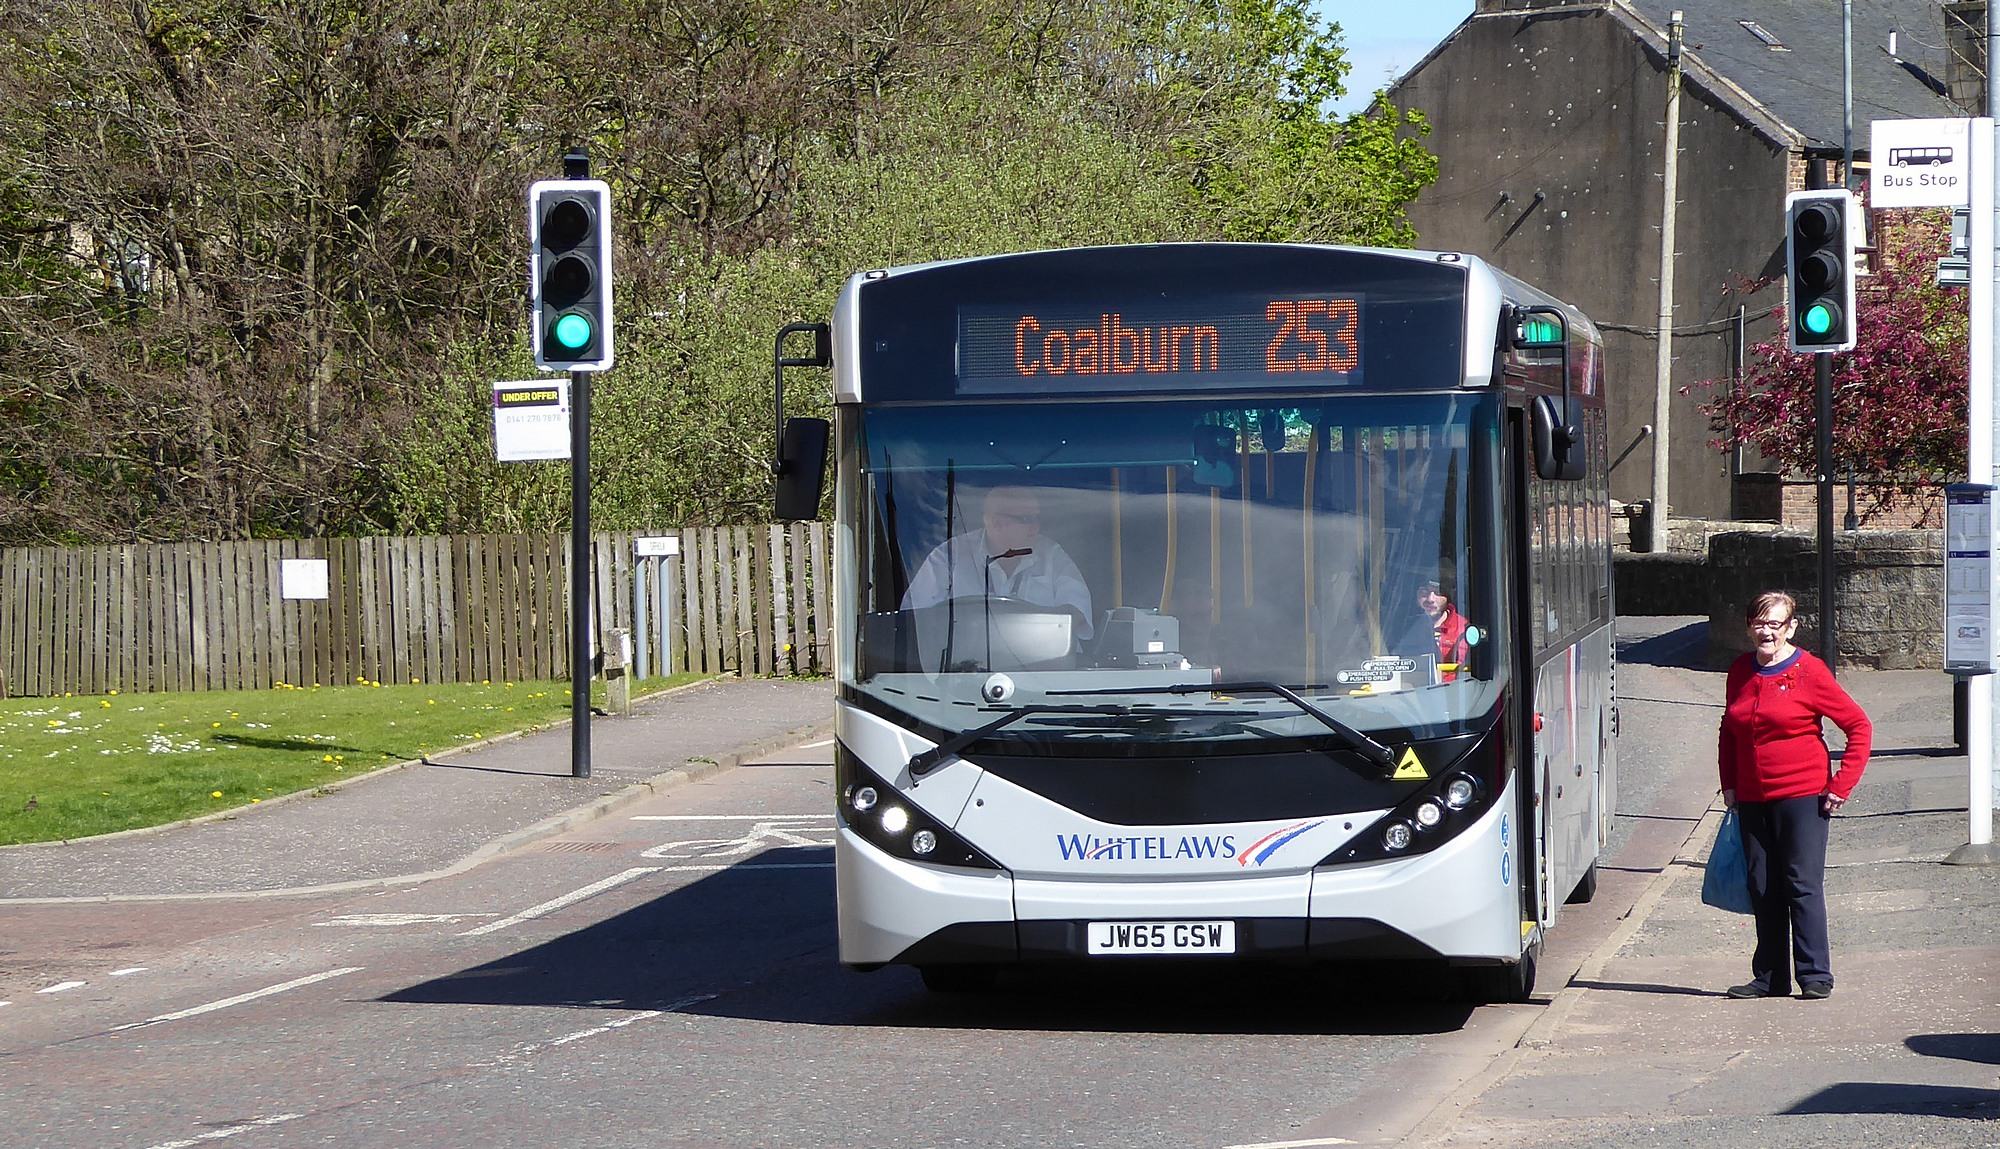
1920,163
531,420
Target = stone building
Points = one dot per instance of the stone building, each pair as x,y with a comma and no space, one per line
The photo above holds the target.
1549,124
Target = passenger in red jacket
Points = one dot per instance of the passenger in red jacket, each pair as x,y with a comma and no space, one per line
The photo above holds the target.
1776,774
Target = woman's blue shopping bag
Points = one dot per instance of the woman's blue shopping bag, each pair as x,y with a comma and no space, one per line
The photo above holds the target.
1726,886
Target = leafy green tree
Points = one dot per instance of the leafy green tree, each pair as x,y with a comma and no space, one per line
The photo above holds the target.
268,254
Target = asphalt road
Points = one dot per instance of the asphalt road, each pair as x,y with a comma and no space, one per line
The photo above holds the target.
666,975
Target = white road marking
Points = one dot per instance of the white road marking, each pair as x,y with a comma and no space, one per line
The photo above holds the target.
817,745
1316,1141
239,999
397,919
725,817
230,1131
61,986
570,898
620,1024
128,971
763,833
529,1049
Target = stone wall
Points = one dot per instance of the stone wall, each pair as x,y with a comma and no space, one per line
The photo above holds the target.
1793,503
1663,582
1889,584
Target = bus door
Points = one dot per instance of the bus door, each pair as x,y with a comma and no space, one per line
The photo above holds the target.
1531,858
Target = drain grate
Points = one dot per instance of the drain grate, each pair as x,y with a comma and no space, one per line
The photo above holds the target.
577,847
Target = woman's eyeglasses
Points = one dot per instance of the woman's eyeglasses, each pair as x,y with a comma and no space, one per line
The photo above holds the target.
1770,624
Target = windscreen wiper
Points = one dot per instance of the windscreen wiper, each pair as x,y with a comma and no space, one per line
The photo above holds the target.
925,761
1372,750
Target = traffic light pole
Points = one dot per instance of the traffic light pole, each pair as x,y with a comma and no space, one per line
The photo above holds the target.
576,166
580,621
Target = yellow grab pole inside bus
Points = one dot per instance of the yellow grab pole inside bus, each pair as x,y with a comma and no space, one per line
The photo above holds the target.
1244,506
1117,541
1173,546
1306,508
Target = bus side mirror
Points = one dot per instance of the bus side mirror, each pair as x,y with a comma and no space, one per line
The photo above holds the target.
802,468
1558,446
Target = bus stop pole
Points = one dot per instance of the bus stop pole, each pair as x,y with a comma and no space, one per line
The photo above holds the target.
1980,303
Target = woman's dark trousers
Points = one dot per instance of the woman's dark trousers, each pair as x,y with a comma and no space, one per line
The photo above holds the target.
1784,845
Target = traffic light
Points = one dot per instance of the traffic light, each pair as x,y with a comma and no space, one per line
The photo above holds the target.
569,274
1819,263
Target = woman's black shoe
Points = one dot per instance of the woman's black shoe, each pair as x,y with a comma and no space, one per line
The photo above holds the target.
1749,989
1816,990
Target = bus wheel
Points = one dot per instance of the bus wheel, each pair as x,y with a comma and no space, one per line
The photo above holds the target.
1586,889
959,978
1494,984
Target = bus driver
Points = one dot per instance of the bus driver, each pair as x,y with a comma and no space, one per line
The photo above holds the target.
1006,558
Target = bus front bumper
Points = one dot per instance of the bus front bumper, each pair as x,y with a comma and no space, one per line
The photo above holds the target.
893,911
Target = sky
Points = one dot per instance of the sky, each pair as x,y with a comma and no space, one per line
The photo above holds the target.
1385,38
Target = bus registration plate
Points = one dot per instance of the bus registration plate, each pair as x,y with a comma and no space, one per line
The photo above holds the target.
1162,938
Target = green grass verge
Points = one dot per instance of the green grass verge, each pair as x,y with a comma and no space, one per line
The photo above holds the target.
75,766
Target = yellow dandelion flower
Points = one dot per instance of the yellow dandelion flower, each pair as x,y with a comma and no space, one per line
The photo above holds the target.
104,703
340,757
215,793
214,725
114,692
430,702
326,757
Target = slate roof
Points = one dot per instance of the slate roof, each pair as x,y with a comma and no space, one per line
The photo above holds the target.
1801,86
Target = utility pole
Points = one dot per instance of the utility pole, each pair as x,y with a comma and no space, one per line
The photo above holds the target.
1663,370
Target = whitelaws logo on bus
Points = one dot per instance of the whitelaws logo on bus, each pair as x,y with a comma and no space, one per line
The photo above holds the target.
1144,847
1167,848
1260,851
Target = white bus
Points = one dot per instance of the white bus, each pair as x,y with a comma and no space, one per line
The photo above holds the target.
1274,621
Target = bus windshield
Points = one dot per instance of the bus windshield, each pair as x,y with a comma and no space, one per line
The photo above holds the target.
1080,557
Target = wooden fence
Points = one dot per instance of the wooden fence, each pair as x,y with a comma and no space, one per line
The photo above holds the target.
211,616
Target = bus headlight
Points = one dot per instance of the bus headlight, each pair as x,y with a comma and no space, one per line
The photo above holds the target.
879,813
1459,791
1452,800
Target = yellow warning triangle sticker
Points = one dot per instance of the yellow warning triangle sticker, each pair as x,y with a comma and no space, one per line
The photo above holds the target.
1410,769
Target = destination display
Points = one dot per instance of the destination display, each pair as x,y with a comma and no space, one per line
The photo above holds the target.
1130,345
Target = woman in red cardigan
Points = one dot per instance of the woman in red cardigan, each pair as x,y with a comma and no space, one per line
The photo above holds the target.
1776,774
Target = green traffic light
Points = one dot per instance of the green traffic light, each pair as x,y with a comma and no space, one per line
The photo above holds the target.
573,332
1817,319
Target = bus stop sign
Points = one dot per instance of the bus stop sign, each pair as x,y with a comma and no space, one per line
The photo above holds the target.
1920,163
